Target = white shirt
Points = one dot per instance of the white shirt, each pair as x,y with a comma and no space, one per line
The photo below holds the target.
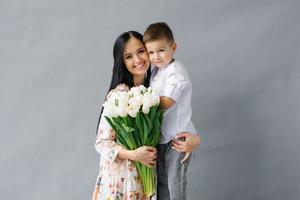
173,82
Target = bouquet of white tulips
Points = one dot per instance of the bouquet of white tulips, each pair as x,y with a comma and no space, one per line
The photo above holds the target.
135,115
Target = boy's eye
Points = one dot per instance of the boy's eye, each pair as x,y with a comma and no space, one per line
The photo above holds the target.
162,50
150,52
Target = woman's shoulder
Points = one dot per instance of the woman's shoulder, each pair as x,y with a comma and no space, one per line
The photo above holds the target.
120,87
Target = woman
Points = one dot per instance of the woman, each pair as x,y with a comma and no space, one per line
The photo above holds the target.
118,177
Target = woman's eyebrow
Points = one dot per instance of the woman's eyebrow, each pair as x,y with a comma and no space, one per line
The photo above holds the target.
127,54
142,48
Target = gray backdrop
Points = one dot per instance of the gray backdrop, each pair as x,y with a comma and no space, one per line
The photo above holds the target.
243,59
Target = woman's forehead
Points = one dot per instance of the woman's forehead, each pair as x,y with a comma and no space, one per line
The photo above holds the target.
133,45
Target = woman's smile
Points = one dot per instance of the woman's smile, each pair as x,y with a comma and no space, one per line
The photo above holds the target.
140,65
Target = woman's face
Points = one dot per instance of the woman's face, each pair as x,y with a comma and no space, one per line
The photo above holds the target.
136,57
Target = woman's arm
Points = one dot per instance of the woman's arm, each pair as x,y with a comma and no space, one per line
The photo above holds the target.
106,143
109,148
145,155
189,143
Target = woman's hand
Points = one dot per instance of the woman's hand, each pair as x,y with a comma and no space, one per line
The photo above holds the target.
145,155
188,144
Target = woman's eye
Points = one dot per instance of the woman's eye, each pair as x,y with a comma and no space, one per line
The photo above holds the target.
128,57
141,51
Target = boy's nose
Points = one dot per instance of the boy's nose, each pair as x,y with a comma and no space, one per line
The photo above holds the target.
156,56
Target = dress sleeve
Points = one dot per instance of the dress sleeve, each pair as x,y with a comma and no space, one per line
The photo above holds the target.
106,141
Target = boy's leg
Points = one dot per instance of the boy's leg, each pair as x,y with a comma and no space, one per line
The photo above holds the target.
176,173
162,177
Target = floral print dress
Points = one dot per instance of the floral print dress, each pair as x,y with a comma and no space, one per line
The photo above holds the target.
118,178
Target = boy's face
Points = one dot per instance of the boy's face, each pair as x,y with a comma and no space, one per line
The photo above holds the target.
160,52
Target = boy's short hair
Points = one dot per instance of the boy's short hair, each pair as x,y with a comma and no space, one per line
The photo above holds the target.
157,31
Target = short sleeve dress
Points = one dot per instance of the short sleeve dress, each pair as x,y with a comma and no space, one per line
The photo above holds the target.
118,178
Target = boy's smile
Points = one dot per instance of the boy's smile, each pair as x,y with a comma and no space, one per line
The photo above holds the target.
160,52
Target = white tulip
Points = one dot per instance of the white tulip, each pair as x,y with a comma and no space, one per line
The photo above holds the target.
116,104
132,110
145,109
151,98
109,109
142,88
136,93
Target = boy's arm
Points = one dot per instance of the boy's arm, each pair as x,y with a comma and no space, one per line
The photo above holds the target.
172,88
171,92
166,102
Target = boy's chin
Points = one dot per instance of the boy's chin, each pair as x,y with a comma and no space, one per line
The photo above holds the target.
160,65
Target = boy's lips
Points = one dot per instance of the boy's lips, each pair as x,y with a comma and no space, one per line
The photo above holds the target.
158,63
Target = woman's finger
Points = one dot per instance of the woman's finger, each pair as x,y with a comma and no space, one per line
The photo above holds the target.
186,156
177,148
179,144
149,148
182,135
182,143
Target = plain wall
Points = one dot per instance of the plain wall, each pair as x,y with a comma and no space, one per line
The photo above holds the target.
243,59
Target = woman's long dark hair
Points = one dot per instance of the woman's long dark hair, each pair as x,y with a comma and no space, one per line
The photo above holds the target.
120,74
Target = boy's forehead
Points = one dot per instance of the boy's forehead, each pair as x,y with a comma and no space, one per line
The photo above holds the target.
157,43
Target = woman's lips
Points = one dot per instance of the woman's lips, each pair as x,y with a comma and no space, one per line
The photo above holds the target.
142,65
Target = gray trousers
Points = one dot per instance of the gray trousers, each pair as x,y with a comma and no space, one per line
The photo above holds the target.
171,174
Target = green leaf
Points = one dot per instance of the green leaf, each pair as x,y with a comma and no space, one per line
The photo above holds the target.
145,130
139,125
111,123
152,112
127,128
149,122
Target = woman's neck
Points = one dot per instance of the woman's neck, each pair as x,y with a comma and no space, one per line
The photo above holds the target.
138,80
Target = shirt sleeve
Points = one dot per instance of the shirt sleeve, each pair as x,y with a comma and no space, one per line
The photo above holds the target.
106,141
174,85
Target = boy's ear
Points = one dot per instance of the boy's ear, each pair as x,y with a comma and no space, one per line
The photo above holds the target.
174,46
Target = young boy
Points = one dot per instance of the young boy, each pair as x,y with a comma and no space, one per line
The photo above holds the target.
170,77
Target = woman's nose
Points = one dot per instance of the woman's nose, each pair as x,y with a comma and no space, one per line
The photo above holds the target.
137,59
